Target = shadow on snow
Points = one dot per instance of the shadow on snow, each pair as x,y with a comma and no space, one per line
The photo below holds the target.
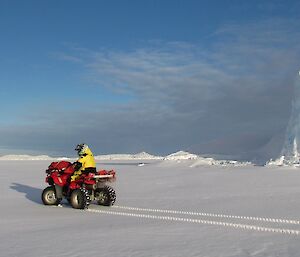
31,193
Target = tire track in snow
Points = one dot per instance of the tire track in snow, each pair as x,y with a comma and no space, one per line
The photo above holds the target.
203,214
200,221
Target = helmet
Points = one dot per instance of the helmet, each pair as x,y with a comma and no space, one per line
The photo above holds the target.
80,148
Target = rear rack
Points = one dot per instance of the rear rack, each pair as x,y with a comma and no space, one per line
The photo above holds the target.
104,176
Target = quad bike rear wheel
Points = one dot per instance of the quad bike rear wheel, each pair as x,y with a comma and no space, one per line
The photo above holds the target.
106,196
80,199
49,196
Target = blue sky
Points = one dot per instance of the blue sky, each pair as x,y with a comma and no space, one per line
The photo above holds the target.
159,76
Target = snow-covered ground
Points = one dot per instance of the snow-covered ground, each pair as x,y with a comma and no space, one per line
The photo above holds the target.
163,208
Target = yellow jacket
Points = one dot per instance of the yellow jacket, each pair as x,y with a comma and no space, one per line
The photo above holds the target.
87,160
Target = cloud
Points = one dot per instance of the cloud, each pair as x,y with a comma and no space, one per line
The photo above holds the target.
243,82
230,97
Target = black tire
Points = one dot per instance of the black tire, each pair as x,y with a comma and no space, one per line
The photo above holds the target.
80,199
49,196
106,196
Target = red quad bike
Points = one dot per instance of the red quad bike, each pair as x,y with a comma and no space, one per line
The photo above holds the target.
81,192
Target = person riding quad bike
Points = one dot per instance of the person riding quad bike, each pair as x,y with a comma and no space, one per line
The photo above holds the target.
87,183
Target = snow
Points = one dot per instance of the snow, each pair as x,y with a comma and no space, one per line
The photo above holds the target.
138,156
181,155
164,208
210,161
178,157
290,159
278,162
24,157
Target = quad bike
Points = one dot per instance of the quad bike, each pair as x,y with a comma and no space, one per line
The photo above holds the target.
81,192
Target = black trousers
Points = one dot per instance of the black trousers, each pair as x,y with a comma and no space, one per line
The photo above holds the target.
58,191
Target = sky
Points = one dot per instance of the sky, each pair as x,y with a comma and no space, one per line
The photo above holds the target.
157,76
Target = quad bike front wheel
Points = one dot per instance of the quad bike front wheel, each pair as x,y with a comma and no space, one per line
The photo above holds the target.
80,199
106,196
49,196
